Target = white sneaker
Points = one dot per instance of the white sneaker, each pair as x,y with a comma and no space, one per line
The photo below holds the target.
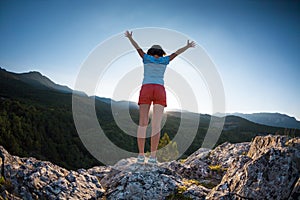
152,161
140,159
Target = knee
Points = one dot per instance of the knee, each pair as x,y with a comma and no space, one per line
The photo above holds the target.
143,123
156,129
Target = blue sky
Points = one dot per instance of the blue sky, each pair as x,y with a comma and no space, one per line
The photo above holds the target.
254,44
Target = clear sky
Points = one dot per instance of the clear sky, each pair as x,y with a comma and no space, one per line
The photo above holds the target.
254,44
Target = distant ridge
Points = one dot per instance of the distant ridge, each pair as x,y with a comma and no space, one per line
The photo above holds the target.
271,119
118,104
36,79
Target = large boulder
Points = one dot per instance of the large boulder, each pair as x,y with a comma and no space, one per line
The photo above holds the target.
261,145
268,172
225,153
208,166
130,180
34,179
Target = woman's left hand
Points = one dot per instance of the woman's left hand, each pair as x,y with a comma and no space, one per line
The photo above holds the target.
128,34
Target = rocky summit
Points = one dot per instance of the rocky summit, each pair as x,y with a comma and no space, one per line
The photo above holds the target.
266,168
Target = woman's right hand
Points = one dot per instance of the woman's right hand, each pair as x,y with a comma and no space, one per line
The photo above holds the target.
190,44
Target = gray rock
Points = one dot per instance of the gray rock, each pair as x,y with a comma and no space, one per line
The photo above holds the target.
200,165
269,173
35,179
6,195
129,180
196,192
295,194
196,169
71,177
266,168
225,153
262,144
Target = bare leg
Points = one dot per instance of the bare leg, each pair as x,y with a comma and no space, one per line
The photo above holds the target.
158,111
143,123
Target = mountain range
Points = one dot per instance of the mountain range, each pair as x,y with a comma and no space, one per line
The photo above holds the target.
36,120
38,80
271,119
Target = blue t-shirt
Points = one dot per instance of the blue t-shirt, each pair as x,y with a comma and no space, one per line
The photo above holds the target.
154,69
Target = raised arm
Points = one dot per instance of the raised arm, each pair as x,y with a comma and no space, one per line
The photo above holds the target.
183,49
136,46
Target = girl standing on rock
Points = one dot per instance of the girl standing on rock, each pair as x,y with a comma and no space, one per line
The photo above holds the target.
152,90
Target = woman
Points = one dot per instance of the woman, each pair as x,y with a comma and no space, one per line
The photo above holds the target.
155,63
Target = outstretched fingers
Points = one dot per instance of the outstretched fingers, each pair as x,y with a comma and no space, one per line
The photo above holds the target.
191,43
128,34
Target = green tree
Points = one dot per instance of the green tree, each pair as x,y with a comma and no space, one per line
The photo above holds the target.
167,149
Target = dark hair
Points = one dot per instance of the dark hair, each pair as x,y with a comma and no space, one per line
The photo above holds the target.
153,51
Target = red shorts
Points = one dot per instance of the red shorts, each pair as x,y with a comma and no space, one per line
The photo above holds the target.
153,93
